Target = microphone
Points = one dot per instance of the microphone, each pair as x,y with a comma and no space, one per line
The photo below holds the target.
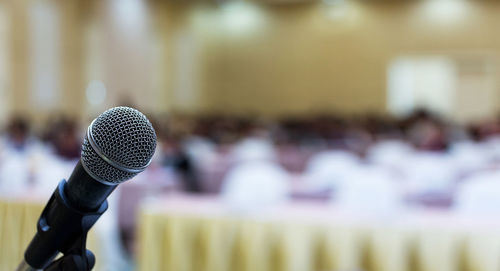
118,145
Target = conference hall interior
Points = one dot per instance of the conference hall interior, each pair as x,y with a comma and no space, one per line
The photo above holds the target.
292,135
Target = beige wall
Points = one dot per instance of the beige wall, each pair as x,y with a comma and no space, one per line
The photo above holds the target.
300,58
304,60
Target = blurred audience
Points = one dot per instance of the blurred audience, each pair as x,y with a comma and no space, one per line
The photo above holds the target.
371,164
429,158
18,134
173,155
64,136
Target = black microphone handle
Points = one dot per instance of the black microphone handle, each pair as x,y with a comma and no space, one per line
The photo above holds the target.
84,192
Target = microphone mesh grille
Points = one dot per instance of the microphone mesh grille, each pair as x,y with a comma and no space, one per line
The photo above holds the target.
99,168
125,136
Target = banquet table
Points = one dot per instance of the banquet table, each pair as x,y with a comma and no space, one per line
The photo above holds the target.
18,218
186,233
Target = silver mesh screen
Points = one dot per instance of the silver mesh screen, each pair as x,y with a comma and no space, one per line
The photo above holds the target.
123,135
99,168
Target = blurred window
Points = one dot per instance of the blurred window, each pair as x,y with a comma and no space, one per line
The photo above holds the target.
44,28
460,87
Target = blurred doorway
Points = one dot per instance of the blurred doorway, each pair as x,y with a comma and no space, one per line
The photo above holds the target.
462,88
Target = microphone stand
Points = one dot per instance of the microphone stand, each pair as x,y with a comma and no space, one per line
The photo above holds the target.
74,261
78,259
70,238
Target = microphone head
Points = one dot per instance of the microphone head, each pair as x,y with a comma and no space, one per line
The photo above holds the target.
118,145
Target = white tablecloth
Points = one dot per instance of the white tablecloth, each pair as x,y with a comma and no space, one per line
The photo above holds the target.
188,234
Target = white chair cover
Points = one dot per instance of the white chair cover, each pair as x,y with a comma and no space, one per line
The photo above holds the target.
14,175
327,169
18,168
49,170
254,185
369,190
470,157
390,153
253,149
427,172
479,195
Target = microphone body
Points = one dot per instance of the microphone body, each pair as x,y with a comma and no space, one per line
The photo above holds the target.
84,192
118,145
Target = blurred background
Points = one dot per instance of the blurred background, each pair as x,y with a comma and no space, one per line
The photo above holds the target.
292,134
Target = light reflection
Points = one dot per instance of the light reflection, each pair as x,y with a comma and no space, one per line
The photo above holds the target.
240,17
445,11
96,92
130,15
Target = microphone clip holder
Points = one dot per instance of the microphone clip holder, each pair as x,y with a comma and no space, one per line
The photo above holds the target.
63,228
